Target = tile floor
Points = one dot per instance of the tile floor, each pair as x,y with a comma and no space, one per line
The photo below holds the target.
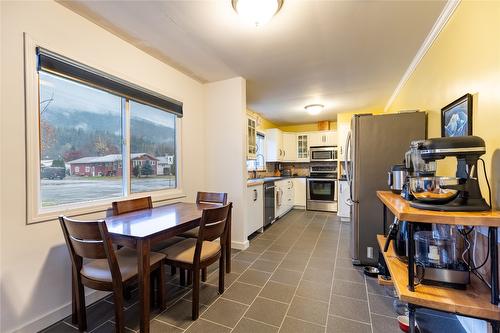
295,277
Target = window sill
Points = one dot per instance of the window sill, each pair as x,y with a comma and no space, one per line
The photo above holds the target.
102,206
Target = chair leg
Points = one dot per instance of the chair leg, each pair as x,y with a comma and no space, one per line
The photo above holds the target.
80,305
119,317
161,288
221,274
204,274
172,270
152,280
74,315
196,294
189,277
182,276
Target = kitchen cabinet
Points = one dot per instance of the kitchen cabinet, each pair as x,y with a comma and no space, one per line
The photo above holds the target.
299,192
251,138
344,210
284,196
289,147
302,147
255,209
322,138
274,145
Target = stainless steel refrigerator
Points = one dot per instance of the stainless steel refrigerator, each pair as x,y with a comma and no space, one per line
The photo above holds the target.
375,142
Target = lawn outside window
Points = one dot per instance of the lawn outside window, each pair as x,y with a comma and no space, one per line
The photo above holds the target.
89,145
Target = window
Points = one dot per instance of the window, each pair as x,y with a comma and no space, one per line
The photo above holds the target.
259,164
98,137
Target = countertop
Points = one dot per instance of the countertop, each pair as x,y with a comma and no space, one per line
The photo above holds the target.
260,181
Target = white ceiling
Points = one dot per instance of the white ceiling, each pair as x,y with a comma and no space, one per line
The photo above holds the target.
347,55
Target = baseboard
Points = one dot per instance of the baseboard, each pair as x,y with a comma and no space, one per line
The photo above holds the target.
57,314
299,207
240,245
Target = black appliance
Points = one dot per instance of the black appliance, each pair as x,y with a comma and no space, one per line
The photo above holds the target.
269,203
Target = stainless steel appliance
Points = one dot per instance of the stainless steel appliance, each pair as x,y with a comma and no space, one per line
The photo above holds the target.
323,154
397,178
321,188
374,144
459,193
269,202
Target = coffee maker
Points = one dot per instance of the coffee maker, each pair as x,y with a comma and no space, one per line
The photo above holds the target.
444,193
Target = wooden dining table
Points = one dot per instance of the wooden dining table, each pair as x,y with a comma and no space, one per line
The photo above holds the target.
143,228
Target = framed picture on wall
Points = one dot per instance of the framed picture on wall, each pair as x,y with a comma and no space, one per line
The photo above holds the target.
456,117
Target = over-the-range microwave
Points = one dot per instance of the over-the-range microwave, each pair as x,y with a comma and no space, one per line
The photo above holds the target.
323,154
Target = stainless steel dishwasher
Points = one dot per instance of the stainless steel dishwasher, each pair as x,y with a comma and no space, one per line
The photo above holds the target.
269,203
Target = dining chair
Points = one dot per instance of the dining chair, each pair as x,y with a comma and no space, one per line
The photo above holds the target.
133,205
210,198
104,268
194,255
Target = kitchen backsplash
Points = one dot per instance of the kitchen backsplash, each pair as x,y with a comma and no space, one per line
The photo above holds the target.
299,169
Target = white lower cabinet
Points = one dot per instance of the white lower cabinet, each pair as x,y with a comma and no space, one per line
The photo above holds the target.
284,196
255,209
344,210
299,192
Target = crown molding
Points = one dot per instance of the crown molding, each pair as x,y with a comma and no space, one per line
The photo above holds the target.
438,26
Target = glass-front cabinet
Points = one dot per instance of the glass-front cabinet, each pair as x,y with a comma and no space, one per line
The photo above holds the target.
251,138
302,148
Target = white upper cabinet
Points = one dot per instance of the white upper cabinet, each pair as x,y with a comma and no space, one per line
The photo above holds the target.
251,138
274,145
294,147
302,145
323,138
289,147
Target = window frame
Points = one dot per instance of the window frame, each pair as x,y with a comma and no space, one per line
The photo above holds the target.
34,211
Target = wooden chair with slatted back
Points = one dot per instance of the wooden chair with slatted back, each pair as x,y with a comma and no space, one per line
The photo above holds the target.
210,198
106,269
196,254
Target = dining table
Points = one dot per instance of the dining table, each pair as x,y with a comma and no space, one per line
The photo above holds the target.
143,228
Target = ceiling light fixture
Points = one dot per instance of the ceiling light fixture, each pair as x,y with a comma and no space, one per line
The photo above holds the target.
314,109
257,12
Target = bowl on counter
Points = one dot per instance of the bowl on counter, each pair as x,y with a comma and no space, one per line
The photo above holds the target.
433,189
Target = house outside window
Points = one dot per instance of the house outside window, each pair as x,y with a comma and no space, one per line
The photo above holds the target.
117,141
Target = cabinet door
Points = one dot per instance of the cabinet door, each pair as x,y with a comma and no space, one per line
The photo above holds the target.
343,130
315,139
274,145
251,139
299,192
255,209
289,147
302,143
330,138
344,210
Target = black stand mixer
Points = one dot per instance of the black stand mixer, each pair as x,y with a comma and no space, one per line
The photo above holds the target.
450,194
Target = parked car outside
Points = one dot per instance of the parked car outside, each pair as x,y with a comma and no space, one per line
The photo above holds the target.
53,173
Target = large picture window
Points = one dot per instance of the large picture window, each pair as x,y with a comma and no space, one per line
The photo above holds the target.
99,138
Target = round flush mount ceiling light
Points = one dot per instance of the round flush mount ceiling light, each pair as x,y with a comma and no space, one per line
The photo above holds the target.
313,109
257,12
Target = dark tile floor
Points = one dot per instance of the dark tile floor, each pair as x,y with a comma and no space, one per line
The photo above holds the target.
295,277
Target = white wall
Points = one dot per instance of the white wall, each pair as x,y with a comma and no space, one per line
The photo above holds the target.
34,265
225,153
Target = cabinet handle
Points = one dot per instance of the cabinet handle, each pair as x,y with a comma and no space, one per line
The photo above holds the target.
255,194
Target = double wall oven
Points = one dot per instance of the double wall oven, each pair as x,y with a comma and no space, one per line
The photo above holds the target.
322,188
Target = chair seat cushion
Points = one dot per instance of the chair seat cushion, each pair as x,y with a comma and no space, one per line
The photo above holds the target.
184,251
157,247
98,269
193,233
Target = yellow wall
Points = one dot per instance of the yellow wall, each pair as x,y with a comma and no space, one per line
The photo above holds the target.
311,127
465,58
262,123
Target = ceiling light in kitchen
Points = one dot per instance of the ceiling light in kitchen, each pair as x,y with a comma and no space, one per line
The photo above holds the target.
257,12
313,109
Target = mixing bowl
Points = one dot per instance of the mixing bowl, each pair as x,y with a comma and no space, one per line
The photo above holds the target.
433,189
